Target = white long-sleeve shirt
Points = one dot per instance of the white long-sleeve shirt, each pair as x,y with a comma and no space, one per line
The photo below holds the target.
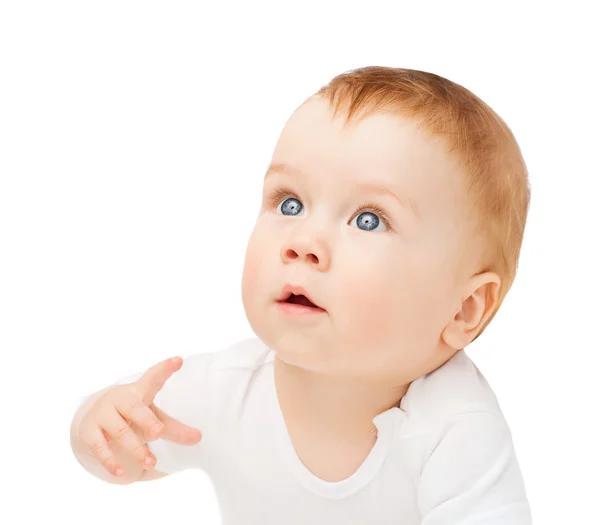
444,457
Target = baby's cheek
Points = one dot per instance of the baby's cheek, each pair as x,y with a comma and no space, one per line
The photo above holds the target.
368,310
391,304
252,268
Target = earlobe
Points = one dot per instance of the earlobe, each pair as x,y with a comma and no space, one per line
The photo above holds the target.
477,305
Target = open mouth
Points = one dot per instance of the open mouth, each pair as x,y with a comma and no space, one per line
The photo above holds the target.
296,302
300,299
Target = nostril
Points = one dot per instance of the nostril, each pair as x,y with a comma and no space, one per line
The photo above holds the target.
291,254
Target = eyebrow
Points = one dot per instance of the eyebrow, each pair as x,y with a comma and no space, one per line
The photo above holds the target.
405,201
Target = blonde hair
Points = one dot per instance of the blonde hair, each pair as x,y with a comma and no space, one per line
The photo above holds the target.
496,175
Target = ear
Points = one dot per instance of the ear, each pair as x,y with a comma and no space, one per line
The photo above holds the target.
478,303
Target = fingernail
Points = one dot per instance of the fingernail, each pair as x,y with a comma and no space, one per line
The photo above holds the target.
119,471
148,461
156,428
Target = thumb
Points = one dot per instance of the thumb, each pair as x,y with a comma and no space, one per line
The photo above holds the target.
175,430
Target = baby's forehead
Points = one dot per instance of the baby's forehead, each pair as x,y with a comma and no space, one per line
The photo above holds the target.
348,164
382,148
375,139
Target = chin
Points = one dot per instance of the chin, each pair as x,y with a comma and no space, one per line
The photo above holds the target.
293,347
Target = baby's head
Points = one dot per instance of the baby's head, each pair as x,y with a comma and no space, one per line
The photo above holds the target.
397,199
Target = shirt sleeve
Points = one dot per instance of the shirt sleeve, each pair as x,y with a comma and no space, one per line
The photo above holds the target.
185,397
472,476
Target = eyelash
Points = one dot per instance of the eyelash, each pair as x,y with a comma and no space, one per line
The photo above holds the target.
280,194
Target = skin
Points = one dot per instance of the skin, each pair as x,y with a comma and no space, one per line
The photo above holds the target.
399,300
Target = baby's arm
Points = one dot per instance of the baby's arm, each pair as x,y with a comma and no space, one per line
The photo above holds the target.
472,476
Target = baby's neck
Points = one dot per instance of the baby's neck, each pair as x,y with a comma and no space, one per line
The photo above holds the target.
330,408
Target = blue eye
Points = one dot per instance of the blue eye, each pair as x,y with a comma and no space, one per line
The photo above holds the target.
291,206
370,217
368,221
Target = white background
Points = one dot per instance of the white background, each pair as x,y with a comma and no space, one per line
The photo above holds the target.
133,141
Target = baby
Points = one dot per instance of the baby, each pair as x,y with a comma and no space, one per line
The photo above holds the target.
391,223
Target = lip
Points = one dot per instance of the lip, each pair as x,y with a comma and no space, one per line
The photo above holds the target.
290,289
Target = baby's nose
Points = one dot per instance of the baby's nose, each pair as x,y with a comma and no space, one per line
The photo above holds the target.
312,252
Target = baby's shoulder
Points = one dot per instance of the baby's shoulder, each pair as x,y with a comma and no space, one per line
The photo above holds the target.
457,387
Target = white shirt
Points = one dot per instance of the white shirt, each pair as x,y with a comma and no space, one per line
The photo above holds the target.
444,457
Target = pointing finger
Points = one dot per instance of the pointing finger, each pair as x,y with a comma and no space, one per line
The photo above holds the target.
154,379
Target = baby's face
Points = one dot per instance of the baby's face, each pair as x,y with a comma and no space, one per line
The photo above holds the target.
389,282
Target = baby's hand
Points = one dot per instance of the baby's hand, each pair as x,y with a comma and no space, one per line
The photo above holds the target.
127,414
